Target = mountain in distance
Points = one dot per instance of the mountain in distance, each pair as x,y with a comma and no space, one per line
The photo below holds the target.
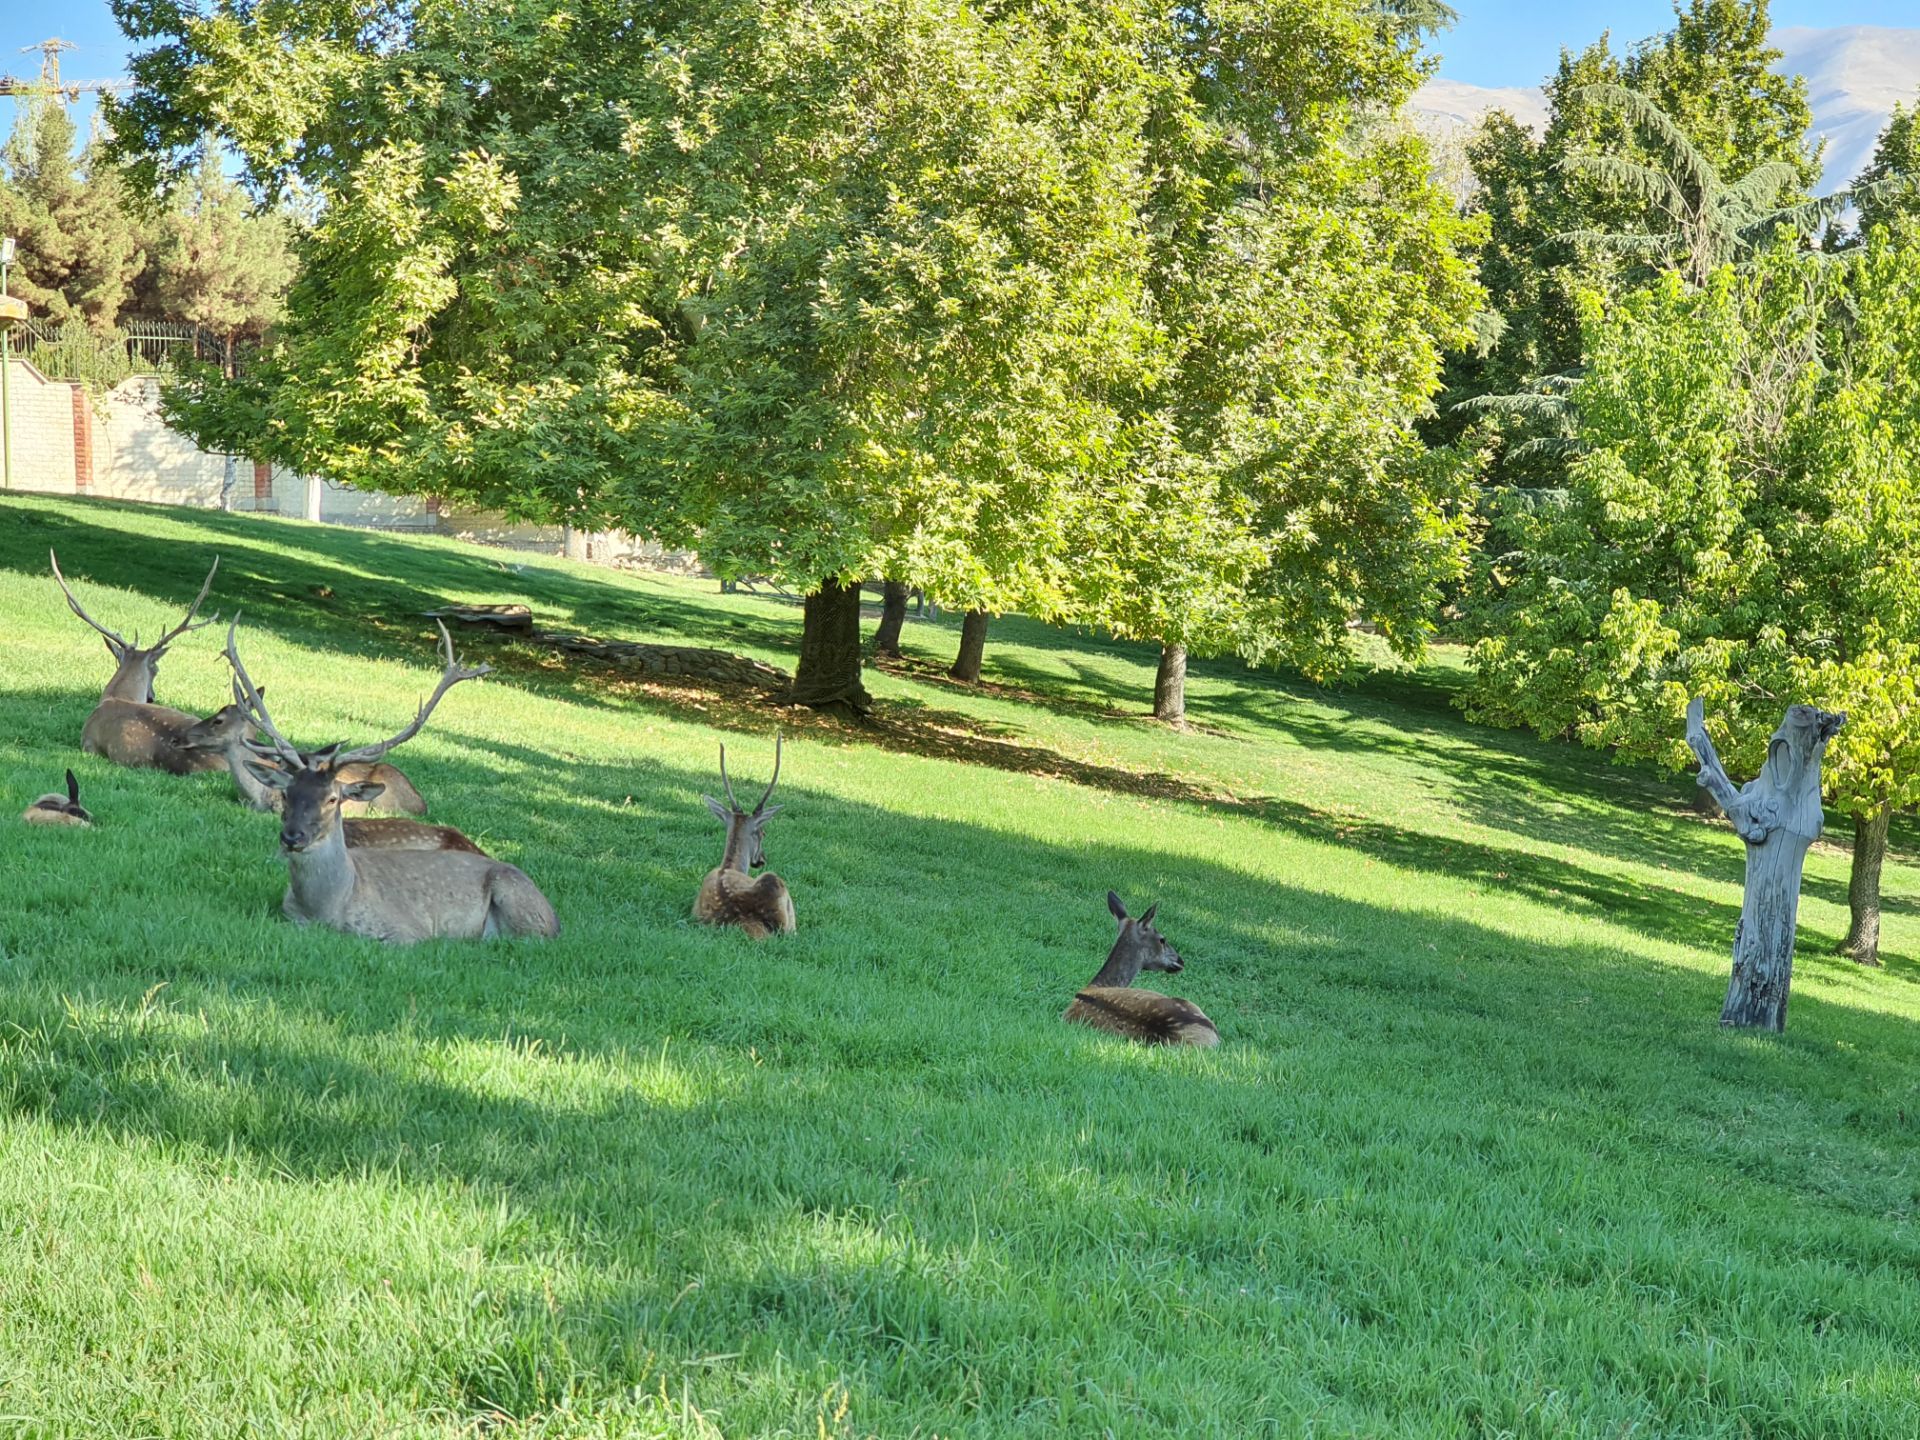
1855,75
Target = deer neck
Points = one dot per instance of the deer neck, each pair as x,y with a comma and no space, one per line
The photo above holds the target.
1122,967
132,681
322,875
259,796
737,847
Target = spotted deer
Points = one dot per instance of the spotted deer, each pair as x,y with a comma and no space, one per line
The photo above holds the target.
59,809
127,726
731,894
227,732
396,895
1108,1004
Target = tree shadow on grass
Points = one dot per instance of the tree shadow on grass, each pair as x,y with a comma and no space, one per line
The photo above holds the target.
878,1064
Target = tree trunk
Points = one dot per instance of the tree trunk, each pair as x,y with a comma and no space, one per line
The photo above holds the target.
829,674
1863,886
313,497
1170,686
973,644
573,543
893,615
1779,817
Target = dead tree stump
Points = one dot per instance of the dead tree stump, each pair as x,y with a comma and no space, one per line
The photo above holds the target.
1779,817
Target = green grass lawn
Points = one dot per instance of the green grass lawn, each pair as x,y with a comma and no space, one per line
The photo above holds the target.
1473,1159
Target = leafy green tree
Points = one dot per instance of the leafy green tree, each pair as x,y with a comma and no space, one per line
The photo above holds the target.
1743,524
1271,488
1617,187
805,290
81,239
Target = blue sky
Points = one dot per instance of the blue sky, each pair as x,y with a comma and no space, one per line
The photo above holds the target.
1497,42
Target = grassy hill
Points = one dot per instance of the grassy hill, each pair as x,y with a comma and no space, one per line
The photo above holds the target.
1474,1158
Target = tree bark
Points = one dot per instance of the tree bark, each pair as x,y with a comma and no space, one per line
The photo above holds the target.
1779,817
973,644
828,677
1863,886
1170,686
893,615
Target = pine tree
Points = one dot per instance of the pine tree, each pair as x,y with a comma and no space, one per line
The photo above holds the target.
81,239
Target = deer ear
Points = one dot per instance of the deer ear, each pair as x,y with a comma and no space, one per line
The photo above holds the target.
73,789
362,790
267,773
720,812
767,812
1113,904
1152,910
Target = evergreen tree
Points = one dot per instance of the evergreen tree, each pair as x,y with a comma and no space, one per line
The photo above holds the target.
80,236
1890,185
217,263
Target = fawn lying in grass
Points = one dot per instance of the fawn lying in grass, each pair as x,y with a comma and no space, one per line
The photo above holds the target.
1107,1003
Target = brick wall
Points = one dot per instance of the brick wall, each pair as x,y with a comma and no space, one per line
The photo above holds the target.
42,414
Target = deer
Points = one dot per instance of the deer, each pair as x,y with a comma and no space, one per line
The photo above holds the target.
127,727
399,896
1152,1019
731,894
59,809
227,732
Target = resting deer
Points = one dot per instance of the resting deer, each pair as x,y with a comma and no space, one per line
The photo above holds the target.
227,732
731,895
126,726
59,809
396,895
1107,1003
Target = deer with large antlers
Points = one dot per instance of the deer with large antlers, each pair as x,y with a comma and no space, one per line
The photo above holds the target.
229,732
732,894
396,895
127,726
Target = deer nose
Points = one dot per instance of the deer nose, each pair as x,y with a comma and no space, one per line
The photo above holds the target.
1176,966
293,839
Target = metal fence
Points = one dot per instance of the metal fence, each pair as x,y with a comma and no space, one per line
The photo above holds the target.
74,350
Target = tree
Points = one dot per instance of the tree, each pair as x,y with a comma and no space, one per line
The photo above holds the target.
1561,221
806,291
218,264
1270,487
1890,185
1743,524
79,234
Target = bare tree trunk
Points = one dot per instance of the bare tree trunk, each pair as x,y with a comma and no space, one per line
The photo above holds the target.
573,542
1863,886
313,497
1170,686
1779,817
828,677
973,644
893,615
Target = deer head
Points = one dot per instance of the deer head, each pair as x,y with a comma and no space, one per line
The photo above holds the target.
133,679
1140,946
218,730
744,827
310,783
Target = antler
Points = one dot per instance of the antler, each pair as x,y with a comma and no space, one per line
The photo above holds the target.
732,804
451,676
187,624
767,794
113,637
247,696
